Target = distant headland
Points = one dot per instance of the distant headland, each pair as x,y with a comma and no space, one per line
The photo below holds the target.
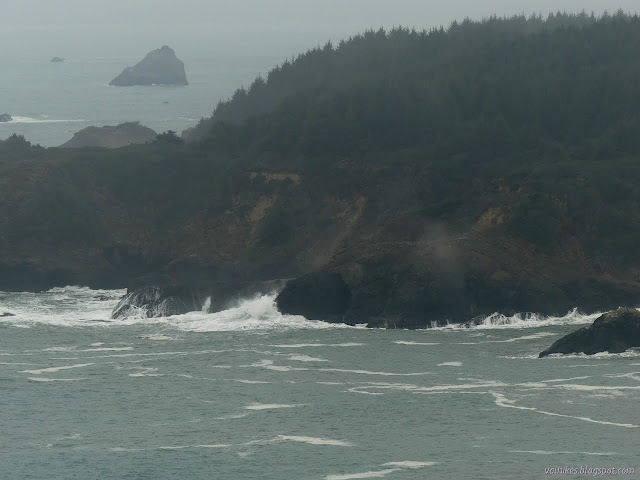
111,136
159,67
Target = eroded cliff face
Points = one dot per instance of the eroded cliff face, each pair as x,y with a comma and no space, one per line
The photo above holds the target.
413,285
158,67
361,250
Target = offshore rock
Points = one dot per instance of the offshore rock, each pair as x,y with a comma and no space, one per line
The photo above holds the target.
5,117
7,314
613,332
57,60
159,67
111,136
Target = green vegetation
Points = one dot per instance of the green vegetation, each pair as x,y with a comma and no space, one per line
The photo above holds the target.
169,137
542,109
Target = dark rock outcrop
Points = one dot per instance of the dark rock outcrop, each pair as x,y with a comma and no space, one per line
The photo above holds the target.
57,60
5,117
613,332
158,301
7,314
159,67
440,279
324,296
166,300
111,136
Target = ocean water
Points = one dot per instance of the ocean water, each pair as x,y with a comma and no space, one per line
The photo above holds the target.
248,393
49,102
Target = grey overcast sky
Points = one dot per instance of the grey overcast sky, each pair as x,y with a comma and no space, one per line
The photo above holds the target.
106,27
319,13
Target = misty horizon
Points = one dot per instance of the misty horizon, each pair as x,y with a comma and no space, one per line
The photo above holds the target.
277,29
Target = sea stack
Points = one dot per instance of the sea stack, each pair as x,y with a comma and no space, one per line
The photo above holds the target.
159,67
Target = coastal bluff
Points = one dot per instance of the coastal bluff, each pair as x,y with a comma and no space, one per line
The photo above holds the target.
158,67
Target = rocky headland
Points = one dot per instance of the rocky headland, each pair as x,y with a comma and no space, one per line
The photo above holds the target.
158,67
613,332
121,135
386,199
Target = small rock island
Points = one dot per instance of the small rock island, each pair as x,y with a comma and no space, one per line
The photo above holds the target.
5,117
159,67
613,332
57,60
111,136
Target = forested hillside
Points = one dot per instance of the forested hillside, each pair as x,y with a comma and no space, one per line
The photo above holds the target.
390,89
492,165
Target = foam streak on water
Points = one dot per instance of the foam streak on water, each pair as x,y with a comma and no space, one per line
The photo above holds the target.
257,394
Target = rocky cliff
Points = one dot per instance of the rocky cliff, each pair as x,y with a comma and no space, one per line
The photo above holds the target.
159,67
403,178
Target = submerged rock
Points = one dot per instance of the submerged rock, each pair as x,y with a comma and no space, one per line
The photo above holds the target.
5,117
7,314
613,332
159,67
111,136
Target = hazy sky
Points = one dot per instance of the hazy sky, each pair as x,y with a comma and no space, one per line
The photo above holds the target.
284,26
323,15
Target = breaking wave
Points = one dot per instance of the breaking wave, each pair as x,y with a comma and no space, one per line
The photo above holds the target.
81,306
43,119
527,320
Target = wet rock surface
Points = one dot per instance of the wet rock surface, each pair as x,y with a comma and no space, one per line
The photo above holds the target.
166,300
323,296
613,332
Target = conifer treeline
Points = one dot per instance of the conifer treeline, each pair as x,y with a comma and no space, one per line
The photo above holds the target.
495,85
